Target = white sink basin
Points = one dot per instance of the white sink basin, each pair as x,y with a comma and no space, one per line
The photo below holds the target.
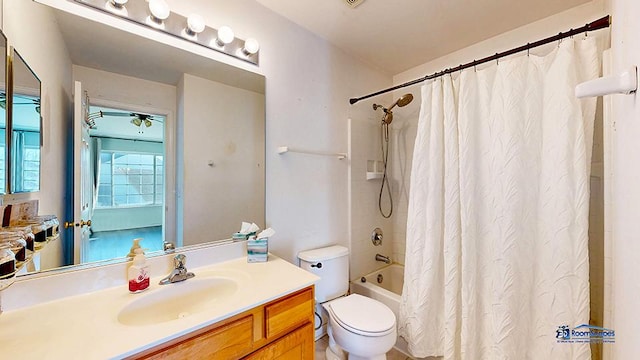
177,300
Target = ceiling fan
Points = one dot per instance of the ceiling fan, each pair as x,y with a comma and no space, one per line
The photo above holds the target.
137,119
24,100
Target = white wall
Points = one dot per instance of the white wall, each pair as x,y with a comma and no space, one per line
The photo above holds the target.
41,45
364,146
405,122
104,86
223,155
308,84
625,203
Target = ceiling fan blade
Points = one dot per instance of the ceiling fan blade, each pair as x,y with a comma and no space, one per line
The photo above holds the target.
26,97
117,113
140,116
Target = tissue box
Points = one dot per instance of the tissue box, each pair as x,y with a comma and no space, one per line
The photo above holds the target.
257,249
239,237
242,237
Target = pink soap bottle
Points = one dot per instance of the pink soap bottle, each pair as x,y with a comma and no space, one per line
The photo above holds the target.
138,273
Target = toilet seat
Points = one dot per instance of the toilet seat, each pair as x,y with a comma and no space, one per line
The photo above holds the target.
362,315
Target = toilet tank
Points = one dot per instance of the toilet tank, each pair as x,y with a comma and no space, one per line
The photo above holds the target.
331,264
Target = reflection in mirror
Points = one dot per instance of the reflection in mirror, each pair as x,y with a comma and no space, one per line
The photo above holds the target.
127,168
3,113
26,126
209,175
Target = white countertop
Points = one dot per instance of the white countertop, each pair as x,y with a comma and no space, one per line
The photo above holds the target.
86,326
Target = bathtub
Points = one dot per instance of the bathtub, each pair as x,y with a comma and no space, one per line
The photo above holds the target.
387,290
385,285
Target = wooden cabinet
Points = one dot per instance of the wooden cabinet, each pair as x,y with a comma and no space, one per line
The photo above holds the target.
296,345
280,329
289,313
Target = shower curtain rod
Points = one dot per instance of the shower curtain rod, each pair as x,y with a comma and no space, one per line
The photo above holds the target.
601,23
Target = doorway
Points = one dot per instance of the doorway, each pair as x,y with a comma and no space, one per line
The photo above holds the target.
128,174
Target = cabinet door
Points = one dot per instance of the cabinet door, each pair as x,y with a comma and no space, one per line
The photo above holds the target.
297,345
230,341
288,313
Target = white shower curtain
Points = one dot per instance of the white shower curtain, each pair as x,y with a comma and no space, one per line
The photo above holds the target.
496,255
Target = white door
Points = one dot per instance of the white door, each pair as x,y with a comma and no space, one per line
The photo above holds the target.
82,187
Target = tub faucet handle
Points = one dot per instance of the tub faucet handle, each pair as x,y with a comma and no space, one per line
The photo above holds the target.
376,237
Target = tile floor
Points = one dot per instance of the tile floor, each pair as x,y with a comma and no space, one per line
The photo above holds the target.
323,342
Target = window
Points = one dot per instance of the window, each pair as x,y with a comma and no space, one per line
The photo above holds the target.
26,175
31,167
129,179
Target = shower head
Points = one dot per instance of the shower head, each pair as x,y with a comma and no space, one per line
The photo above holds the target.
403,100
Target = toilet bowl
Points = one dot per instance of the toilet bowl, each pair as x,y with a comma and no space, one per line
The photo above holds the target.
362,327
359,327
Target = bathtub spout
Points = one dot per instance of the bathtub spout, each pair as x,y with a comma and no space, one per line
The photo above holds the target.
383,258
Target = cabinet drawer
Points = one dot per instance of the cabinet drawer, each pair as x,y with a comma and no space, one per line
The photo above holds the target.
289,313
230,341
297,345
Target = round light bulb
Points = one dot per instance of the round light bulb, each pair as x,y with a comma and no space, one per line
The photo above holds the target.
251,46
159,9
195,24
118,3
225,36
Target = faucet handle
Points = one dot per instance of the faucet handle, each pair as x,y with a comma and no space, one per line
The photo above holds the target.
179,261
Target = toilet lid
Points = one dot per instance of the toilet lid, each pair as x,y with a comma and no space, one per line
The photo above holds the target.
363,315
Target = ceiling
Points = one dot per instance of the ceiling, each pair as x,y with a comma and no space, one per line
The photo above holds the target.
396,35
121,126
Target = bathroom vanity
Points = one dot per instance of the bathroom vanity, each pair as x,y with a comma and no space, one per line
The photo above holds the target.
282,328
231,309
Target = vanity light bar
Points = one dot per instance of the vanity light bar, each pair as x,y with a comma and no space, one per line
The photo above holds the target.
155,14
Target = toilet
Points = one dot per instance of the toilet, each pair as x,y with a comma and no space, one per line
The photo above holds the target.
359,327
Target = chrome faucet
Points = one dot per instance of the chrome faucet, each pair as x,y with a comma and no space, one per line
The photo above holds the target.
383,258
179,272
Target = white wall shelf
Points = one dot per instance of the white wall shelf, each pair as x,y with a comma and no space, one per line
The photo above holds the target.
374,175
286,149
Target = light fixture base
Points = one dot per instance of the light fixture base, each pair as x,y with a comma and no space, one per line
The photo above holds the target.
354,3
137,11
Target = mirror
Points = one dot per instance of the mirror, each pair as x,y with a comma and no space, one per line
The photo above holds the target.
206,178
26,123
3,113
